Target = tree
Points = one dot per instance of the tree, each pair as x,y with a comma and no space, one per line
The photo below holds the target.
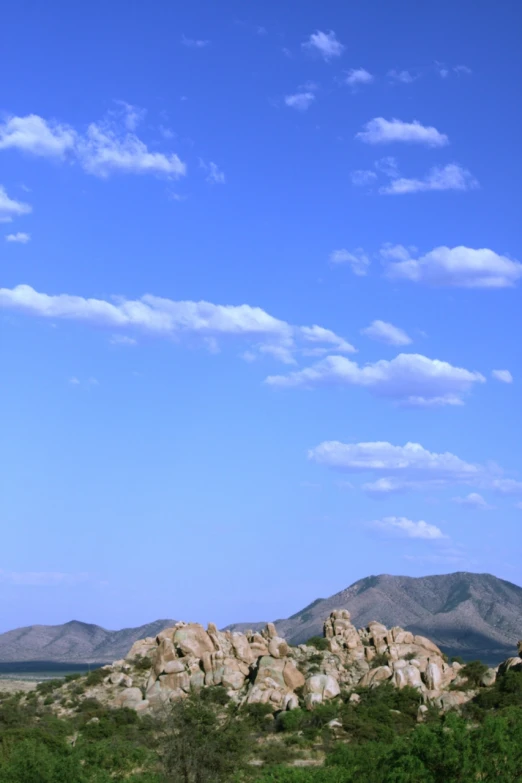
201,742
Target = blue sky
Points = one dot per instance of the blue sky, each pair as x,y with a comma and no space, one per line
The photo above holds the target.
260,303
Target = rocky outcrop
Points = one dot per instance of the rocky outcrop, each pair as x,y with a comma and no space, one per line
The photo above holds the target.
259,667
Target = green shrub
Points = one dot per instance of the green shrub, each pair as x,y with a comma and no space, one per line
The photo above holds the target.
379,660
142,662
473,672
48,686
96,677
319,642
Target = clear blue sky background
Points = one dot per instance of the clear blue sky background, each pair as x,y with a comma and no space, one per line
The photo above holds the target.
157,473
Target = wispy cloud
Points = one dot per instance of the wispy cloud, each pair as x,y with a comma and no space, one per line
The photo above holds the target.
180,320
457,267
20,237
402,77
410,379
384,332
473,500
357,260
42,578
325,44
214,174
194,43
10,207
362,177
504,376
123,339
449,177
382,131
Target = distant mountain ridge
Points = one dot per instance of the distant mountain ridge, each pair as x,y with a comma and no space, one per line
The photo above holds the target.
473,615
73,642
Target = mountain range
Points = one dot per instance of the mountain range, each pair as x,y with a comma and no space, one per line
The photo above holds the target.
473,615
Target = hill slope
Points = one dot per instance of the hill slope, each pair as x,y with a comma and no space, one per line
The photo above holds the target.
474,615
73,642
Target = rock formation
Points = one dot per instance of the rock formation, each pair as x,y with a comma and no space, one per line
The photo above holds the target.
259,667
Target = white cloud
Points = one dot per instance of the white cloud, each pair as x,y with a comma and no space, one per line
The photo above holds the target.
10,208
326,44
506,486
381,131
194,43
473,500
457,267
502,375
385,332
463,69
410,467
362,177
411,379
122,339
357,260
320,335
104,150
106,147
403,77
37,136
74,381
411,462
132,115
19,237
214,174
168,318
406,527
358,76
300,100
449,177
388,166
42,578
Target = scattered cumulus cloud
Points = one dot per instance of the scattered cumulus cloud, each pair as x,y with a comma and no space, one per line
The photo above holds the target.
384,332
106,147
502,375
457,267
20,237
398,469
412,380
178,320
325,44
11,208
300,100
381,131
409,529
473,500
357,260
449,177
358,76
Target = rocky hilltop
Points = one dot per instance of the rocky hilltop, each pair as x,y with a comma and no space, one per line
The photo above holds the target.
260,667
473,615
